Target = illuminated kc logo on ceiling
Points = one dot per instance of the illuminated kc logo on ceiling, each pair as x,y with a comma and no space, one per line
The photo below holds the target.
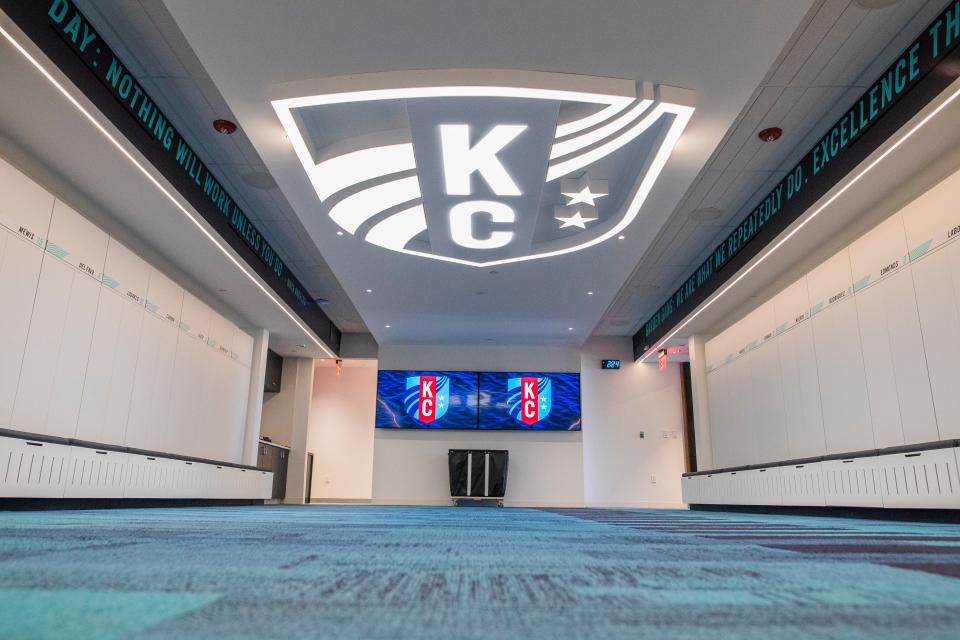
481,167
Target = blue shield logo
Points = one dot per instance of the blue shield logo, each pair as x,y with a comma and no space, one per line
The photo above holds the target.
530,398
427,397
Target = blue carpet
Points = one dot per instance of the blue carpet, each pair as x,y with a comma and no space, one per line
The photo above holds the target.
433,572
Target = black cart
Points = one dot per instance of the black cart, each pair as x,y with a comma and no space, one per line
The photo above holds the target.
478,474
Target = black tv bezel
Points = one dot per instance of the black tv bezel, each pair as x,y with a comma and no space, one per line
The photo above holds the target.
477,427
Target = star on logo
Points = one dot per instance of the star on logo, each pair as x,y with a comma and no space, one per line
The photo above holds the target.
575,216
583,190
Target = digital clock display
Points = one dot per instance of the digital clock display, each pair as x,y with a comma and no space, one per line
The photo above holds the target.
609,364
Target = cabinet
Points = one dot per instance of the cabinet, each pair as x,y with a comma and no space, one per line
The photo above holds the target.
275,458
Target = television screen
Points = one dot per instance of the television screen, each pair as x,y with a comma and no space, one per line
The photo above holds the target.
426,400
534,401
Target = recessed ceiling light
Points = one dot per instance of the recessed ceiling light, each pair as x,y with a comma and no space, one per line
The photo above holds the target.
369,290
589,293
302,346
569,328
321,300
339,233
222,290
386,326
621,237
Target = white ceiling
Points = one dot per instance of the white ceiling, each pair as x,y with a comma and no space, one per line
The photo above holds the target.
720,50
839,49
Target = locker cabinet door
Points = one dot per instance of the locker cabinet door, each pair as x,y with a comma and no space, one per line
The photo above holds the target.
19,274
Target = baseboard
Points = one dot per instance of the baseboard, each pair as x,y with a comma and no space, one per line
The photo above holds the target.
340,500
604,504
507,503
867,513
54,504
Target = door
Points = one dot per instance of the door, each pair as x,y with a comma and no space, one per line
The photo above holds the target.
306,497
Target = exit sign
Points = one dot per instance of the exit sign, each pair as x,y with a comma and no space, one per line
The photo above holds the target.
609,364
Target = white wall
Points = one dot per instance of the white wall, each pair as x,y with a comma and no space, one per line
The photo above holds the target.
410,467
341,430
617,406
858,354
98,344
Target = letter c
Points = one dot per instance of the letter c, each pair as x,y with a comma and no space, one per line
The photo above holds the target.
461,224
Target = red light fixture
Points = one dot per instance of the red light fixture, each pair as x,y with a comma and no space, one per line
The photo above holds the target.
770,134
225,127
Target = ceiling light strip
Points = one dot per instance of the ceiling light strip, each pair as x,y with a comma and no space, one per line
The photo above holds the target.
356,209
575,126
800,226
341,172
570,165
37,65
566,147
477,91
399,229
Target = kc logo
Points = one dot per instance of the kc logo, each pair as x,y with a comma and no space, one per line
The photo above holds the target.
481,167
427,397
530,398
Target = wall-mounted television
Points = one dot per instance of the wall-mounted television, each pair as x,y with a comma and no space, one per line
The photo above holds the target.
519,401
530,401
426,400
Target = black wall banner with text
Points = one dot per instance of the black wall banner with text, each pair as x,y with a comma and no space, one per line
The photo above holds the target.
919,74
65,36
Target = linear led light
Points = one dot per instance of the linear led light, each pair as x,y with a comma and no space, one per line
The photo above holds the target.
574,126
46,74
355,167
566,147
800,226
356,209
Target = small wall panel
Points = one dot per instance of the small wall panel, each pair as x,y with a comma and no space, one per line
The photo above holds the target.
852,482
30,469
803,484
926,479
93,473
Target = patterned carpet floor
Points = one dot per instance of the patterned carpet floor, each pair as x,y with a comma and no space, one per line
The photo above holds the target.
433,572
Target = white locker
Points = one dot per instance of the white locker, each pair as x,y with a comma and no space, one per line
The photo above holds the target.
241,349
25,206
922,479
61,327
108,389
843,386
852,482
767,414
32,469
936,279
25,210
149,406
19,274
188,422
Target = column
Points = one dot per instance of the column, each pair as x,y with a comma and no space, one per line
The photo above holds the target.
701,402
